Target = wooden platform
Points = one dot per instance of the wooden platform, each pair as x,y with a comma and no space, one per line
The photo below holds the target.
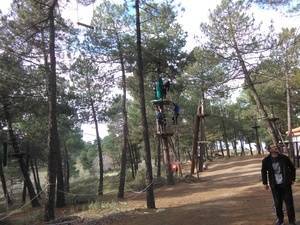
162,102
167,133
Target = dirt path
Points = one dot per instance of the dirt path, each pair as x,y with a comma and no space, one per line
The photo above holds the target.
229,193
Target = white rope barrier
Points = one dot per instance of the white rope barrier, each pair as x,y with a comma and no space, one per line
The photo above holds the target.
70,193
135,194
145,189
23,206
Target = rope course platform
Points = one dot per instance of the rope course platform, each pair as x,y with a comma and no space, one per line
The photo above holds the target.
165,134
162,102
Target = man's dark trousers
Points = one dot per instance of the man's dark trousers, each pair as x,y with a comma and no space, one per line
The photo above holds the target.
283,193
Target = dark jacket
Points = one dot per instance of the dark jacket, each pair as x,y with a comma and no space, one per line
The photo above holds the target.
287,167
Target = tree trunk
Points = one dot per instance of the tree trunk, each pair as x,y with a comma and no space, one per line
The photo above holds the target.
125,126
4,186
270,123
177,144
4,160
234,147
242,147
37,172
189,155
250,147
221,147
235,142
169,172
24,193
225,137
195,139
149,176
258,146
66,169
202,140
60,195
131,156
100,157
291,151
22,163
37,185
3,180
53,144
158,157
227,146
136,157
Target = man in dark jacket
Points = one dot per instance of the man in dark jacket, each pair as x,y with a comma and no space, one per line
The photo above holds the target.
279,173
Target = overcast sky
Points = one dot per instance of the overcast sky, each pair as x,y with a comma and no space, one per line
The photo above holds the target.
196,12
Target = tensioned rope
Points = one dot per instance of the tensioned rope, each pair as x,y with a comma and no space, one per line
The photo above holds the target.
23,206
135,194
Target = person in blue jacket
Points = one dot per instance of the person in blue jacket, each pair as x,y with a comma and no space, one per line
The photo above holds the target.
176,110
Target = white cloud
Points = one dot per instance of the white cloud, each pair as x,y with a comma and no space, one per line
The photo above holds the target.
5,6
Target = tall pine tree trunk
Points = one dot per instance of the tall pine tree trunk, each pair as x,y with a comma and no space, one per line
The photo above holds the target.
27,158
169,172
21,161
37,185
100,156
60,195
3,180
158,157
131,156
134,157
24,193
234,147
66,169
291,151
149,176
242,146
202,145
235,142
221,147
195,139
177,144
270,123
250,147
125,127
137,158
258,146
4,186
37,172
202,136
53,144
225,137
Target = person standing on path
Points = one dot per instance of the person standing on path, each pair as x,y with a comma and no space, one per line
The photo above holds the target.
279,174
